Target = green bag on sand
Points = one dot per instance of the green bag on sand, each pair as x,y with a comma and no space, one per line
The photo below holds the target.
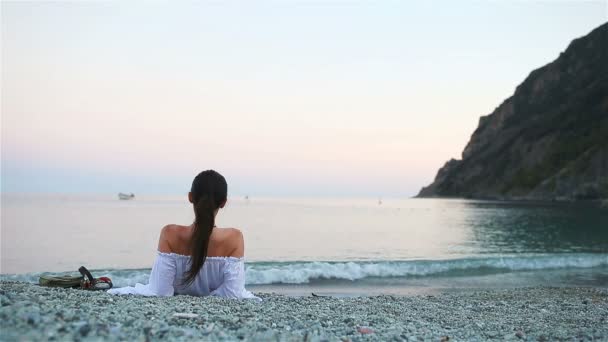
64,281
85,281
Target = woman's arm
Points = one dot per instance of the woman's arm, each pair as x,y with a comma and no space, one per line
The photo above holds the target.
234,281
163,241
162,276
160,282
233,285
237,243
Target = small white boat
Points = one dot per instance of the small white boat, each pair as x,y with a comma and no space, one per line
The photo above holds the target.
125,196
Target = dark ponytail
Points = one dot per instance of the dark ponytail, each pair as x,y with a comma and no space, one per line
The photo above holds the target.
209,192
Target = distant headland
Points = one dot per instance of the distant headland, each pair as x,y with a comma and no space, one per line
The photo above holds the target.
549,141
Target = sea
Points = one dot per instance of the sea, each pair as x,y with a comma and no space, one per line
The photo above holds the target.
326,246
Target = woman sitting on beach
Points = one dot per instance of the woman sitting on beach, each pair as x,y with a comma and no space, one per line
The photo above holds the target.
199,259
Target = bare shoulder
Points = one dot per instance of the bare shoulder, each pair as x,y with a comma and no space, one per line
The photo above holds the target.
234,232
228,234
170,236
169,231
232,241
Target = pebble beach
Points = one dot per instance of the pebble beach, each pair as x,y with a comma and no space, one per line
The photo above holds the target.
30,312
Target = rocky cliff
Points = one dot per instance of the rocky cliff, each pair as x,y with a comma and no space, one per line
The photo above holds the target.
549,141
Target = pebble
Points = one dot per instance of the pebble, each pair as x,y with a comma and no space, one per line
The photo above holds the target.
546,314
365,331
84,329
33,318
185,315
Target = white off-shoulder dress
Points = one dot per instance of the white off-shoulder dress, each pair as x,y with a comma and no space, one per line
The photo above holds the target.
219,276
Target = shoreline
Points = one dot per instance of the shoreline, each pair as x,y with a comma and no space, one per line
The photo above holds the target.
31,312
601,202
397,277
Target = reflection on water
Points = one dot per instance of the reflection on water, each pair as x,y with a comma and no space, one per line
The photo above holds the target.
536,227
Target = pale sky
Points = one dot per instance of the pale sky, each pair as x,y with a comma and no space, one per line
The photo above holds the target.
298,98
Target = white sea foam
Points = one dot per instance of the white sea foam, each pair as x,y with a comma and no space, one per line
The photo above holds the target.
261,273
301,273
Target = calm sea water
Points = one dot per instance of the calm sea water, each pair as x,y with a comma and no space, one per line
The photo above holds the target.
335,246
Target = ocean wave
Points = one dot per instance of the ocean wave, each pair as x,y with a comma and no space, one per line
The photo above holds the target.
306,272
266,273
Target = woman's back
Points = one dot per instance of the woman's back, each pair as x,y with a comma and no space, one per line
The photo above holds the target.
199,259
219,276
222,274
223,242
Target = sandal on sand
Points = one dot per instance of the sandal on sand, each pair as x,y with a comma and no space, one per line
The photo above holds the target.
85,281
101,283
